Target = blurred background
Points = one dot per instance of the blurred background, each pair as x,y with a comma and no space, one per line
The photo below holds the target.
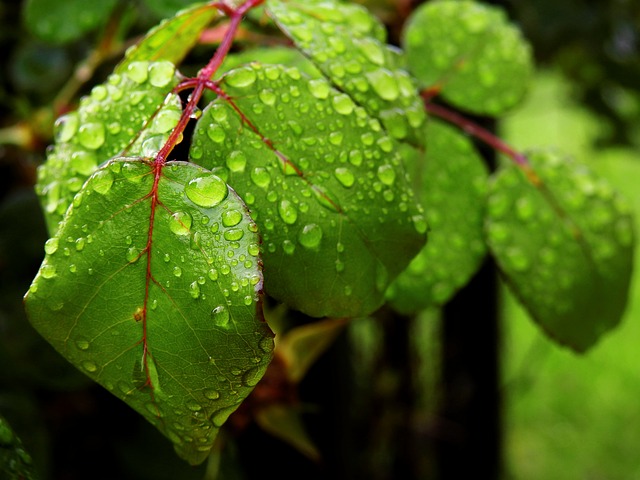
475,390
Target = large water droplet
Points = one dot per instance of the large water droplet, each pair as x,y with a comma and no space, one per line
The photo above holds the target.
310,236
288,212
260,176
51,246
138,71
212,394
236,161
343,104
345,176
161,73
207,190
102,181
83,162
180,223
66,127
89,366
241,77
216,133
91,135
384,83
194,289
231,218
319,88
386,174
220,316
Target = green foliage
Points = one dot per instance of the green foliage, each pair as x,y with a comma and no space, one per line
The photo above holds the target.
561,244
15,462
469,53
325,175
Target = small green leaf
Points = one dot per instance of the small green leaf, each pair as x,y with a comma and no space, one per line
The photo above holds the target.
324,183
130,112
15,462
173,38
452,184
347,44
564,241
59,22
470,53
151,295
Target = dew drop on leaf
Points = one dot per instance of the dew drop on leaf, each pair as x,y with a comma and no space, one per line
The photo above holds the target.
220,316
83,162
180,223
345,176
161,73
51,246
288,212
102,181
310,236
231,218
384,83
66,127
48,271
386,174
91,135
194,289
260,176
138,71
241,78
236,161
206,191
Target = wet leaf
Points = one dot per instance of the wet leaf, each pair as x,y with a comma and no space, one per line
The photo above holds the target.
15,461
324,183
470,53
348,45
451,184
561,245
131,112
150,294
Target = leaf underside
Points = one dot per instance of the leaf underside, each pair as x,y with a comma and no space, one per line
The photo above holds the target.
151,287
562,245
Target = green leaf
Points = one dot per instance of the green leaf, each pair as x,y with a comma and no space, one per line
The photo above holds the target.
60,22
131,112
149,293
167,8
347,44
470,53
564,240
324,183
452,184
173,38
15,462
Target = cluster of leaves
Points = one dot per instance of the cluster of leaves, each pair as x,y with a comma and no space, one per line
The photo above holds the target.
313,179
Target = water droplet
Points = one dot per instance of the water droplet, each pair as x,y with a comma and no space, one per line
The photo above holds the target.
48,271
132,254
267,97
241,77
82,344
288,212
165,120
66,127
51,246
180,223
319,88
253,250
386,174
194,289
212,394
260,176
233,234
339,266
84,162
177,271
325,199
310,236
420,223
138,71
345,176
525,208
102,181
207,191
236,161
216,133
89,366
355,157
343,104
252,376
231,218
371,49
161,73
91,135
220,316
384,83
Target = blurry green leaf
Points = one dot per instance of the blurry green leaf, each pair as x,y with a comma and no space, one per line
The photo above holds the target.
323,181
565,246
62,21
470,53
120,116
452,183
173,38
167,8
15,462
284,422
146,292
348,45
